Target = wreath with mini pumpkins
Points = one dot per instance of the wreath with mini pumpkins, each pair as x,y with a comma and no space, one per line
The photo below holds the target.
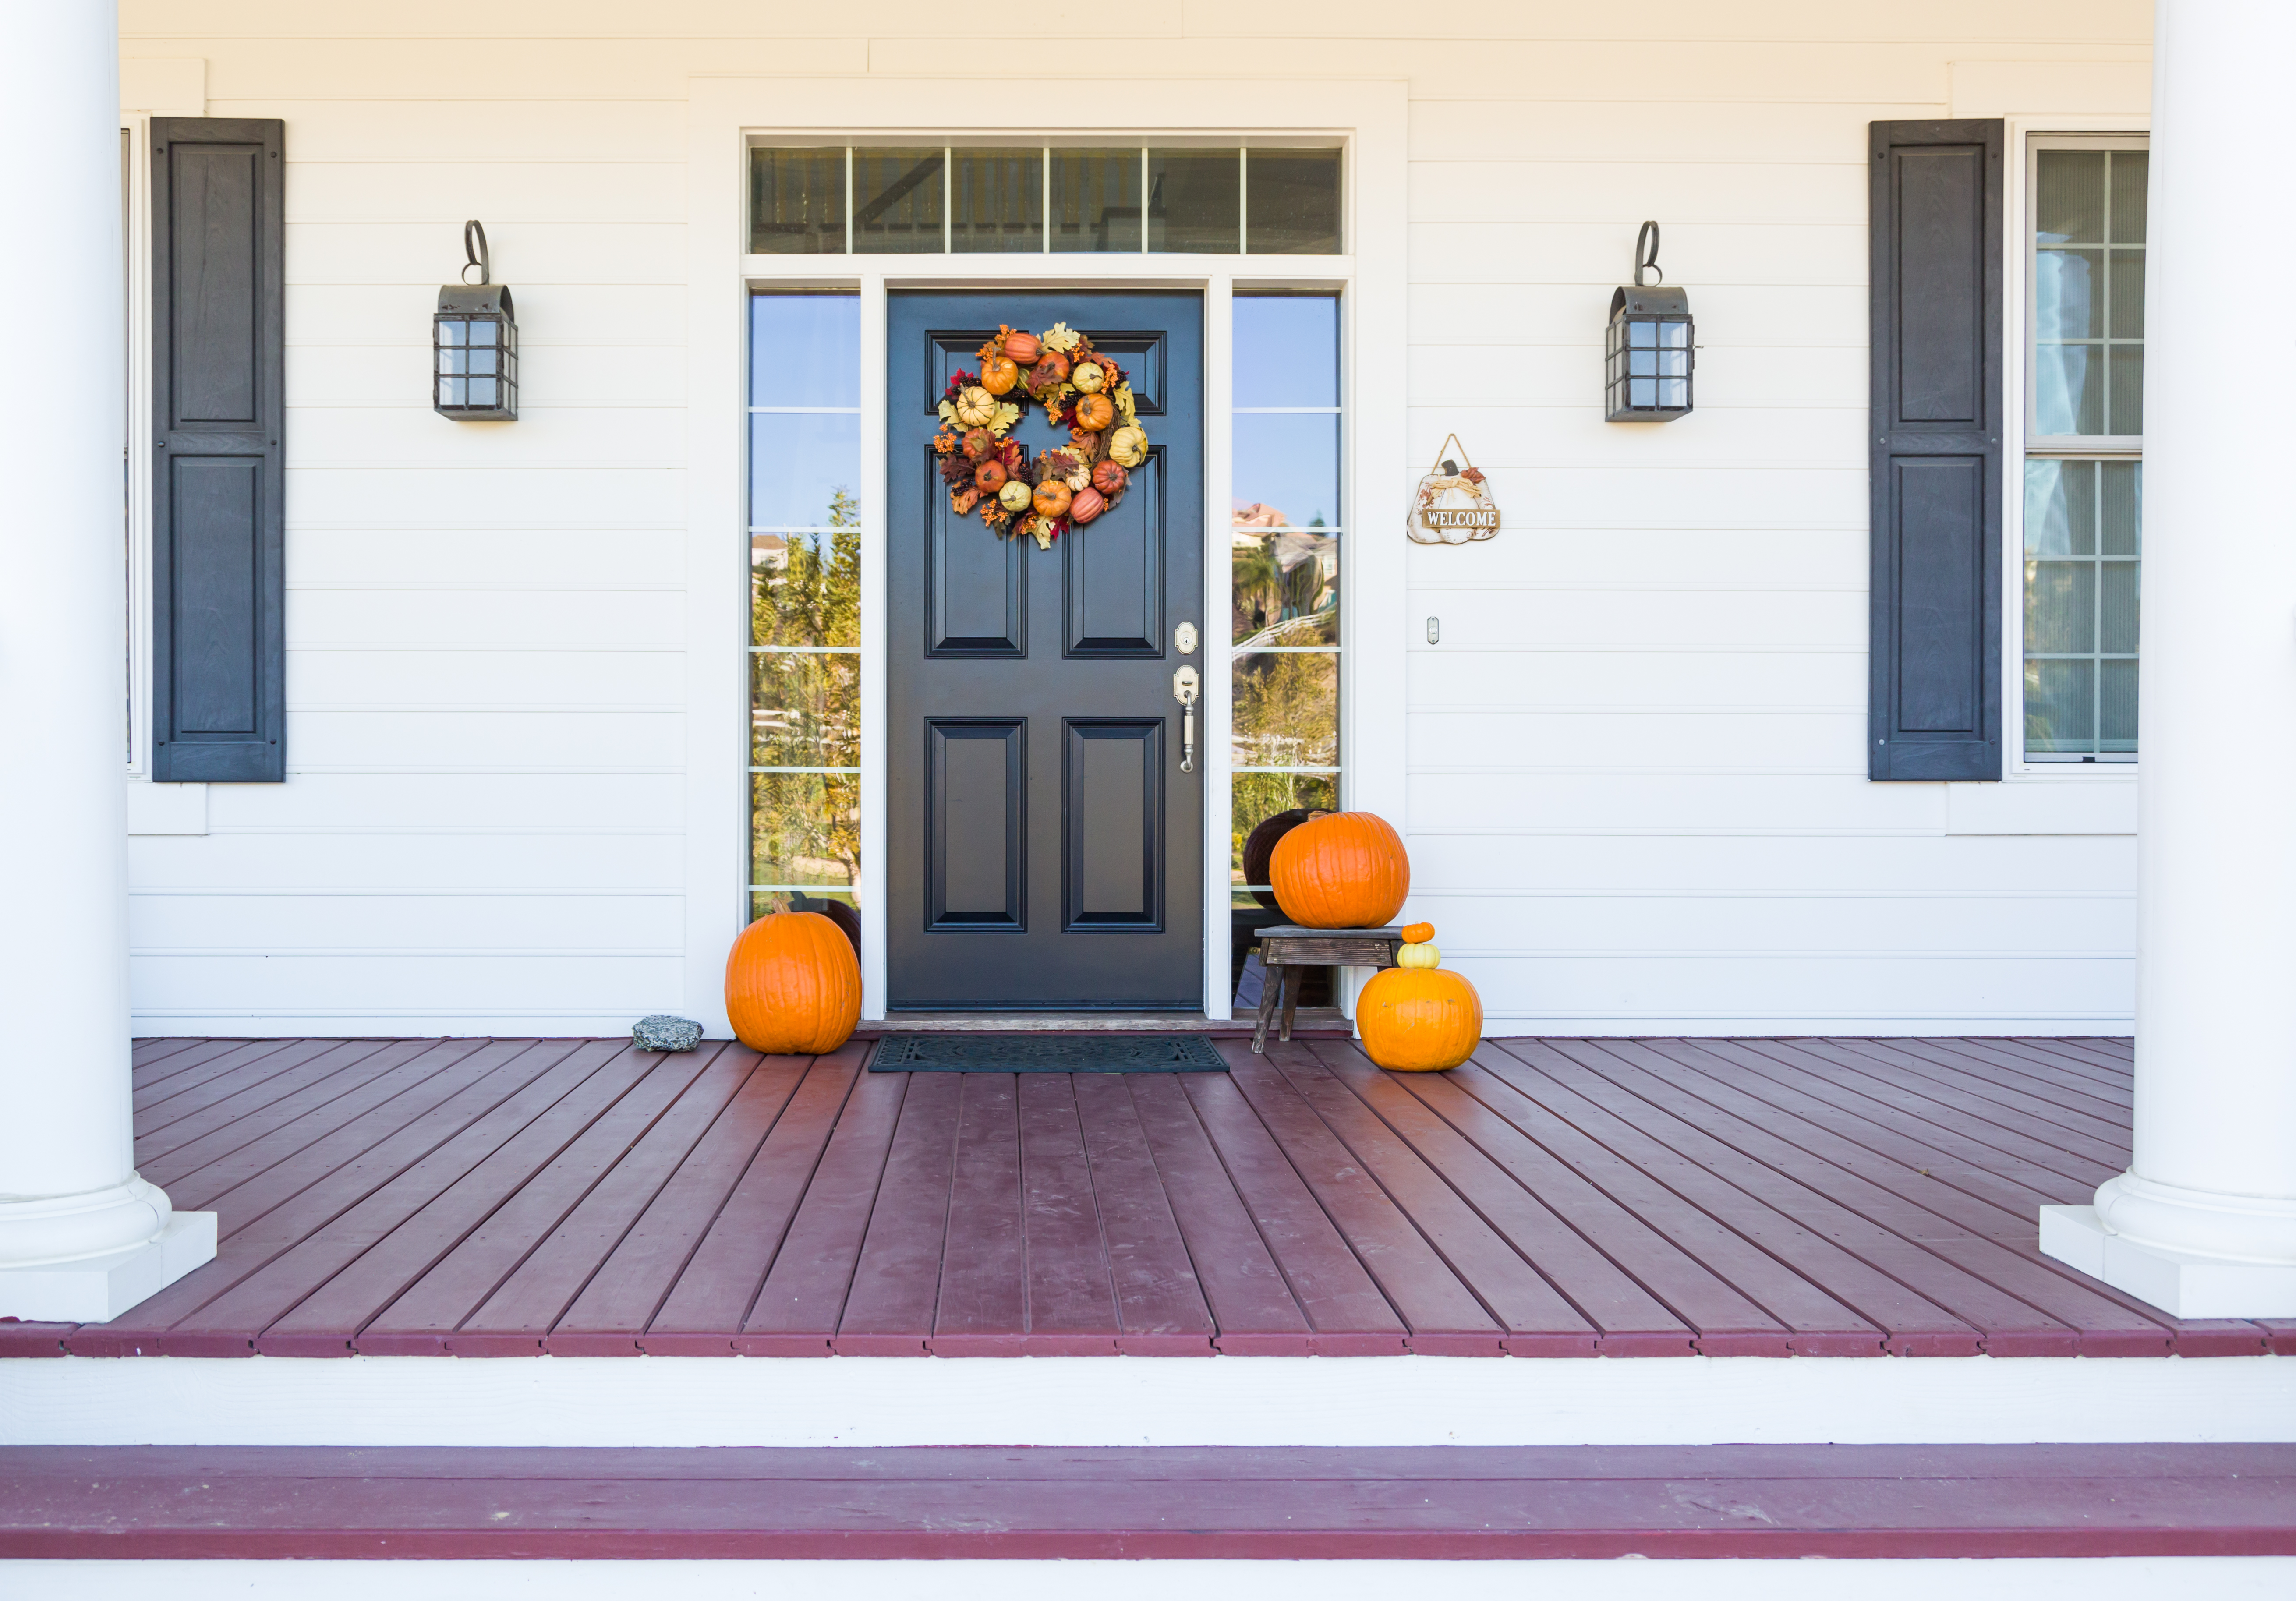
1078,388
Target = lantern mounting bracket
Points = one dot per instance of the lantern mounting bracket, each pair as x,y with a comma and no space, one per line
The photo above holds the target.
1646,255
474,248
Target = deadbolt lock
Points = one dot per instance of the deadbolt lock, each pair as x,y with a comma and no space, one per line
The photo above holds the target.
1183,639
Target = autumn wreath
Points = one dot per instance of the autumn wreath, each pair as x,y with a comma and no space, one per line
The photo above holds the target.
1079,388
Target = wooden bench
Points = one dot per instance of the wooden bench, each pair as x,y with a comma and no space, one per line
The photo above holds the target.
1284,949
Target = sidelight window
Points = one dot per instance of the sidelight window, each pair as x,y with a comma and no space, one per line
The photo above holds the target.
832,200
2085,441
805,599
1285,627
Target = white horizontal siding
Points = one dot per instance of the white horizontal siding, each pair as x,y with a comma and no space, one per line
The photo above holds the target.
1636,757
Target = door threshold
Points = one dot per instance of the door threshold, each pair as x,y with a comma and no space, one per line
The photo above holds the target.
1322,1020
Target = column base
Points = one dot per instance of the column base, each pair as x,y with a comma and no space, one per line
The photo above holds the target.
2181,1285
96,1289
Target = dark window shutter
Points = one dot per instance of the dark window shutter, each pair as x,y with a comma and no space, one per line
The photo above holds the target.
218,535
1935,705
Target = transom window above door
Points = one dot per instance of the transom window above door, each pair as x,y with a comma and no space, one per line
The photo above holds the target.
943,199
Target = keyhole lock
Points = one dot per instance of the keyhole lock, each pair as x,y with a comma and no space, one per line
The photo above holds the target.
1183,639
1185,686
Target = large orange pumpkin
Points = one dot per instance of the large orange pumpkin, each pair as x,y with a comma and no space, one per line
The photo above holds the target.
1419,1020
792,987
1346,869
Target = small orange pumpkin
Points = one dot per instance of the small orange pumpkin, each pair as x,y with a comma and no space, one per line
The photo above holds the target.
1419,1020
989,476
1095,412
1347,869
1000,373
1052,498
1108,477
1051,369
1418,933
1086,505
792,987
1023,349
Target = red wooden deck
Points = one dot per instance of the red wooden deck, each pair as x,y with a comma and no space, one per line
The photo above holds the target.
1556,1197
1440,1502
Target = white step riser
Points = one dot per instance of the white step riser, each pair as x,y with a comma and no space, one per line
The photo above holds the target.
1124,1402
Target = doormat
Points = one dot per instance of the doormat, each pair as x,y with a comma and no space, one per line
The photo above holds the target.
1062,1053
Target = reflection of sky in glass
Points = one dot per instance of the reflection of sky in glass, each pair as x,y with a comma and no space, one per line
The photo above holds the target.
1287,350
796,460
804,349
1290,461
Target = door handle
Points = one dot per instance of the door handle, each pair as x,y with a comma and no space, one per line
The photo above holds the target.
1185,685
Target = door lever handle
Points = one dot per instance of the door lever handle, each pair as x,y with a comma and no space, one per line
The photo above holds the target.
1185,685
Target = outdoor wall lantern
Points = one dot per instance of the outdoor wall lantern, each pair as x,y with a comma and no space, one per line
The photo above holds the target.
474,342
1649,351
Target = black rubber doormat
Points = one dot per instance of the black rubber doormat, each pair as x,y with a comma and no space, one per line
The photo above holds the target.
1054,1054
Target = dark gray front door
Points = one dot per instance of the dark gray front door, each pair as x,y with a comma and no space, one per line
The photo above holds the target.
1047,850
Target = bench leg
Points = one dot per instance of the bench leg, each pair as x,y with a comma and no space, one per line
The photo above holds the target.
1271,981
1295,978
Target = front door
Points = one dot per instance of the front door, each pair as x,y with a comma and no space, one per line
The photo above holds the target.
1046,847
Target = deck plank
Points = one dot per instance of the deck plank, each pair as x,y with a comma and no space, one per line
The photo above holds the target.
530,1300
984,1307
1625,1315
1510,1288
192,1143
2100,1138
889,1312
720,1283
1346,1308
1973,1237
803,1296
615,1308
1252,1308
1972,1068
240,1086
432,1309
191,1054
1442,1312
1159,1305
159,1100
1071,1283
2080,1086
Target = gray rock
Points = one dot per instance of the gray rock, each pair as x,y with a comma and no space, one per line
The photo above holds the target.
663,1032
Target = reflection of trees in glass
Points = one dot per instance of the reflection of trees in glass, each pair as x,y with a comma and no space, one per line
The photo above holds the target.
809,592
1285,589
805,709
1287,709
805,828
1259,796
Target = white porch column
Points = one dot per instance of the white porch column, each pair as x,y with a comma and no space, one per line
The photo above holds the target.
82,1237
2204,1225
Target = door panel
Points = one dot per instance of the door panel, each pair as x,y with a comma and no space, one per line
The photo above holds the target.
1045,850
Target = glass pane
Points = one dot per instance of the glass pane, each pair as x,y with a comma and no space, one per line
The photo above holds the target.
2068,197
997,201
2068,389
2116,611
1286,588
2058,707
805,828
2067,294
897,201
1287,349
1257,797
806,588
1096,199
1287,711
2128,295
2128,390
2060,508
1291,201
1194,202
796,201
763,901
804,349
2130,169
805,710
2116,706
2124,507
2060,606
803,466
453,391
1286,472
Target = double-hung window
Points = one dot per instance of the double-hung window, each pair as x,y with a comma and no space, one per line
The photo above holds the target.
2084,447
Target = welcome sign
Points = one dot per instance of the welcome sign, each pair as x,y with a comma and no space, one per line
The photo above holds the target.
1453,504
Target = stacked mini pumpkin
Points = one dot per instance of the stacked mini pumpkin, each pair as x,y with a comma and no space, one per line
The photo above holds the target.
1349,870
1079,388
